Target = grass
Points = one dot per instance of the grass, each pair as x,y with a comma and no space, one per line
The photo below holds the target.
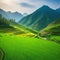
56,38
28,48
50,27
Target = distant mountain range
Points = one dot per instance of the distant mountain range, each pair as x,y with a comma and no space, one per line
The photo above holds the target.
11,15
41,18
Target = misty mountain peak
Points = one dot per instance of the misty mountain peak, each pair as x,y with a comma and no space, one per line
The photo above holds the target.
1,9
11,15
9,11
45,7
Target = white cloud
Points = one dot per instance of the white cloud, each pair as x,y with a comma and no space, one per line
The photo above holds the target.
14,5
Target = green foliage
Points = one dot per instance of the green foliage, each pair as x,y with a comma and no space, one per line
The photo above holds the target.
52,32
26,48
3,22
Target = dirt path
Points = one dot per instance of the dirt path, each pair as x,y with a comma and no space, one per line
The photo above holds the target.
1,54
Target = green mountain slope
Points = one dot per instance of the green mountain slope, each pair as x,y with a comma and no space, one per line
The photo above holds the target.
11,27
39,19
52,31
53,28
7,25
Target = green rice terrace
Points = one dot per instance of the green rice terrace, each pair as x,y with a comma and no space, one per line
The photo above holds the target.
19,43
17,47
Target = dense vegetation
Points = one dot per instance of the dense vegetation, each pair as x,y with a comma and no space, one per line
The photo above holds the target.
52,31
3,22
24,42
18,47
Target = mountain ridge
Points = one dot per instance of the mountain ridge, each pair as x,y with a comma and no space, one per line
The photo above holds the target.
41,18
11,15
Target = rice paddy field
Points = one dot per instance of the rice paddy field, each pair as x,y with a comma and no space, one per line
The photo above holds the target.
17,47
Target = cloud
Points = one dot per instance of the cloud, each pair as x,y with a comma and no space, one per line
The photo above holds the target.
27,5
35,0
4,6
53,3
14,5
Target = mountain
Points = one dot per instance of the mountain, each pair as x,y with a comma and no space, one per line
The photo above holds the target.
4,14
15,15
11,15
40,19
25,14
10,26
52,29
58,10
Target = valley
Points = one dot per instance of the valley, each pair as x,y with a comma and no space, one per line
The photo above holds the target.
34,37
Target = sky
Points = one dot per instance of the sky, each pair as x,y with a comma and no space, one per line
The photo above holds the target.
27,6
